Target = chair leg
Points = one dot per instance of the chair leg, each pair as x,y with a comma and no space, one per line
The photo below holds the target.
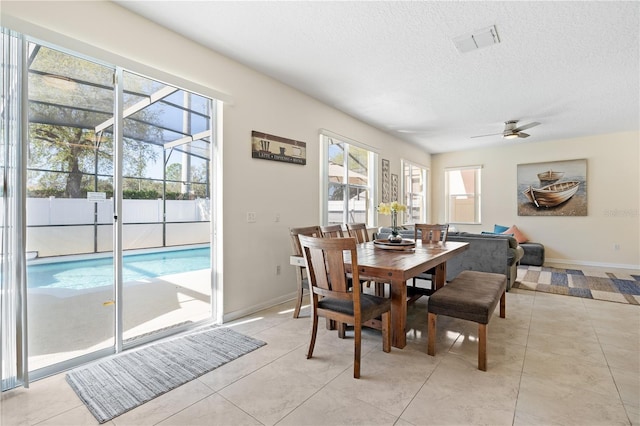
300,296
342,330
314,332
482,347
431,331
503,304
357,332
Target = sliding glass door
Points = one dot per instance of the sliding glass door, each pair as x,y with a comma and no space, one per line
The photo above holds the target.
70,281
166,218
114,172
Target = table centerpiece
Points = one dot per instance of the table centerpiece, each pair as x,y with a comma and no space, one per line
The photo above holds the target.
392,209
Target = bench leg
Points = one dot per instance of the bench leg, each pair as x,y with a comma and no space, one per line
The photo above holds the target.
482,347
431,331
503,304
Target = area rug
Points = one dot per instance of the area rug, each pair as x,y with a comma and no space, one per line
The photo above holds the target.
610,286
115,385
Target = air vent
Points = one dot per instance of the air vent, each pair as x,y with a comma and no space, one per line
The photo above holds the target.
480,38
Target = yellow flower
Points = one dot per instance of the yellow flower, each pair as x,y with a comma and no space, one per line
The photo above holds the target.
388,208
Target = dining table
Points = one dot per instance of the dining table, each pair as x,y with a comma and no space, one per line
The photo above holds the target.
386,264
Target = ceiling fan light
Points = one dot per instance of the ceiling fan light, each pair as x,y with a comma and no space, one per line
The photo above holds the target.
510,136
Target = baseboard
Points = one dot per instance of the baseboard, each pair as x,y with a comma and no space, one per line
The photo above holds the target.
551,262
232,316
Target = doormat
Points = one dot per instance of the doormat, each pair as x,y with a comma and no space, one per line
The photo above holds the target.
115,385
609,286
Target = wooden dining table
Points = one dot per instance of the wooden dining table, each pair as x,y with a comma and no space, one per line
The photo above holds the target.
396,267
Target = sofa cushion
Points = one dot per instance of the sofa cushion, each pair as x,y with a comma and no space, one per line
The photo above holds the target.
519,236
533,254
499,229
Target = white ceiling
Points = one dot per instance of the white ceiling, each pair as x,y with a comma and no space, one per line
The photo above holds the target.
572,66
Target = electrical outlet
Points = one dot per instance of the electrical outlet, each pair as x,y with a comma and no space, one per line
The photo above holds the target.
251,217
277,217
277,269
616,247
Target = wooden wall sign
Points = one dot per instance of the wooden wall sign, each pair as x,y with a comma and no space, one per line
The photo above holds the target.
276,148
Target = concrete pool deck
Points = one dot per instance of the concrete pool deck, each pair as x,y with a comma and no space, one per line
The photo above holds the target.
64,324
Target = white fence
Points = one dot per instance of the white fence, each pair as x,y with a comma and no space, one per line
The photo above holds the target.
49,233
76,211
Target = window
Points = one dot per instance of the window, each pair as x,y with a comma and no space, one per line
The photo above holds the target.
349,172
462,194
415,192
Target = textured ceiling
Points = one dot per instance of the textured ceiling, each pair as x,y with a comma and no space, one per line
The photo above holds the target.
572,66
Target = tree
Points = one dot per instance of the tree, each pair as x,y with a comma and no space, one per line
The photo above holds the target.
68,98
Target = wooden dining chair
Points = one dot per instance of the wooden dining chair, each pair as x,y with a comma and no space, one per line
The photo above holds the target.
332,231
361,234
358,231
332,298
430,235
302,279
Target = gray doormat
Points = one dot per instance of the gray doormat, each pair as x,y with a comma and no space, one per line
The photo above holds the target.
115,385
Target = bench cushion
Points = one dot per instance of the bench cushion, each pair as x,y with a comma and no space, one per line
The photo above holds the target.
471,296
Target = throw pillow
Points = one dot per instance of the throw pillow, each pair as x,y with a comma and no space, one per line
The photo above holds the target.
518,235
499,229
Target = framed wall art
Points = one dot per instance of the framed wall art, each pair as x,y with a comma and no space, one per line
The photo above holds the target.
276,148
554,188
386,190
394,188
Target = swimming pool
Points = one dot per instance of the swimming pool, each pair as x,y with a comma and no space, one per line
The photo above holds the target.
92,273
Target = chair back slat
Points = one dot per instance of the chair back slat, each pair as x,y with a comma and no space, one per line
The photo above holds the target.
332,231
359,232
430,233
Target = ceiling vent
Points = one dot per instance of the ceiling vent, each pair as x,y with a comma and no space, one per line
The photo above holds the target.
479,38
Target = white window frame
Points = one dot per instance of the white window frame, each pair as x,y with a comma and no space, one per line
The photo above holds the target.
406,198
325,137
476,194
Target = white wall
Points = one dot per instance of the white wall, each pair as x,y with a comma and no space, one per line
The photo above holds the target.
251,250
613,197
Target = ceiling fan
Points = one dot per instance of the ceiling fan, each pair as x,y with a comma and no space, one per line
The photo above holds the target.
511,131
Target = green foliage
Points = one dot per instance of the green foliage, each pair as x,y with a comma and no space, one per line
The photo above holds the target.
141,195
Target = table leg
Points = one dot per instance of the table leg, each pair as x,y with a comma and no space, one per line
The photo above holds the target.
440,275
398,314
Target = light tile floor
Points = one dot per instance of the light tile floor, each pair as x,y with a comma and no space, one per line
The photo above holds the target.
554,360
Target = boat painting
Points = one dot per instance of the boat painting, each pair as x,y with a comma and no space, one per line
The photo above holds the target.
552,188
553,194
550,176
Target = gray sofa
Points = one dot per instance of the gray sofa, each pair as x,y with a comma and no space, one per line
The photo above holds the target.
487,253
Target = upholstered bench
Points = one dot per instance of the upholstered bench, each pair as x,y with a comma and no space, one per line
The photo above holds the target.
471,296
533,254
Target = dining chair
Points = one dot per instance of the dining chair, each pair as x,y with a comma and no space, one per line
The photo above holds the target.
358,231
302,278
361,234
332,298
332,231
430,234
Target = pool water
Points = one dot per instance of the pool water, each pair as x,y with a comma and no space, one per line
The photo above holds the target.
91,273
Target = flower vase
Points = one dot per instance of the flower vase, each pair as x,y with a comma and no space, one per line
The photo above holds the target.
395,236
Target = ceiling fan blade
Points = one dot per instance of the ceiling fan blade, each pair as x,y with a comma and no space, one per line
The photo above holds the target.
523,135
526,126
482,136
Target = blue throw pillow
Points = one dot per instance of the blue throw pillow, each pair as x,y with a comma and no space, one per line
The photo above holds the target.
499,229
496,233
